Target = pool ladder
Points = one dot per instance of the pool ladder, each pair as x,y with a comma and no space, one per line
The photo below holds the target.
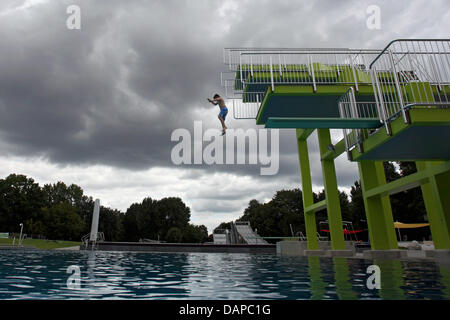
86,241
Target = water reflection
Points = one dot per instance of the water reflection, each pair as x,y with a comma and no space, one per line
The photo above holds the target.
392,282
331,280
342,277
317,285
134,275
444,270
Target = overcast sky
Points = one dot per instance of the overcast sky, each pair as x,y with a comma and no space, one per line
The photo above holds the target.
97,106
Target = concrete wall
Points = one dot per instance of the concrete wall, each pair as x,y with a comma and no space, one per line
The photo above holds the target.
297,248
181,247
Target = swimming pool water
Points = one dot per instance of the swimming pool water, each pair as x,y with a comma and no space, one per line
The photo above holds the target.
39,274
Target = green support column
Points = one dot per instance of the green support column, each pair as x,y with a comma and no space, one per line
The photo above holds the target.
331,192
445,276
318,287
436,196
378,209
342,278
392,282
308,200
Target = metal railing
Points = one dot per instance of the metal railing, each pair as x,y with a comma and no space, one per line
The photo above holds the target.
247,106
411,73
304,66
233,87
231,56
406,74
349,108
255,69
301,236
85,239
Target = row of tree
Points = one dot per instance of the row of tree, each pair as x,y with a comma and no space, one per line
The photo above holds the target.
285,210
58,211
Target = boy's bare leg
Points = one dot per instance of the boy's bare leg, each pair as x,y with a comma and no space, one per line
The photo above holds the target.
224,127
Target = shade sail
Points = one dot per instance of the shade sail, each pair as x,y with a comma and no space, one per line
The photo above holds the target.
400,225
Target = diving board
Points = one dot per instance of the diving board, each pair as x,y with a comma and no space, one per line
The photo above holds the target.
332,123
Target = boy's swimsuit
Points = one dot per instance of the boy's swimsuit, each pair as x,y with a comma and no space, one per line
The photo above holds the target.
223,113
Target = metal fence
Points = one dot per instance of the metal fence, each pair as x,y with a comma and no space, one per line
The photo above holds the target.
303,66
411,73
248,105
349,108
255,69
406,74
231,56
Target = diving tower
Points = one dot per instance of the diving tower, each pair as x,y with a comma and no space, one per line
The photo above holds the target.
392,104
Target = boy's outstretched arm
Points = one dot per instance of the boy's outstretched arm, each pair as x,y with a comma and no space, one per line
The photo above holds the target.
214,102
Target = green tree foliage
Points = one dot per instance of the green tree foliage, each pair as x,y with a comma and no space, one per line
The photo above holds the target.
172,212
166,219
174,235
130,225
278,215
111,224
21,199
408,206
274,217
64,212
195,234
390,172
73,194
225,225
55,211
357,212
62,222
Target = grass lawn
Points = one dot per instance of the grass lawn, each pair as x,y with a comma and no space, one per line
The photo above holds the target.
41,244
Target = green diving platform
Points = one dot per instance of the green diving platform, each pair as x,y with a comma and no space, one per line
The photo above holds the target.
427,137
331,123
301,101
303,107
391,104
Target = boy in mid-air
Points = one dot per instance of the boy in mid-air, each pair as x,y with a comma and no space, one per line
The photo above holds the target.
218,100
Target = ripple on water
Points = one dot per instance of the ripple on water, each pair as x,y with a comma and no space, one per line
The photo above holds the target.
122,275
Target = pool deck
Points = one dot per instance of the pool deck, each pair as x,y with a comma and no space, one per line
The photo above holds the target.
298,248
284,248
184,247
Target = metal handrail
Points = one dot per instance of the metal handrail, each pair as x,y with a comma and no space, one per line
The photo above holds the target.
100,237
404,73
402,40
278,66
349,108
227,52
299,67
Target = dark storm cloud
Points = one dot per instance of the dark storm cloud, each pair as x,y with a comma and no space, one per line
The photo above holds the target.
113,92
109,93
